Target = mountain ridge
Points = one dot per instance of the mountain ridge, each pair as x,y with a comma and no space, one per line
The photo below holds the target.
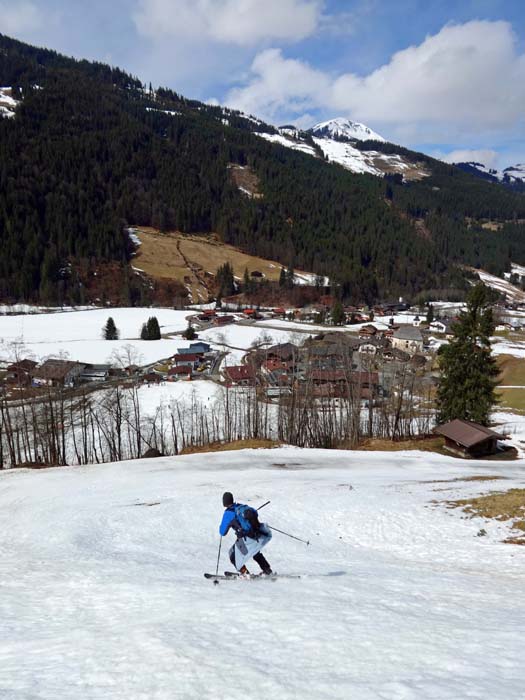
91,151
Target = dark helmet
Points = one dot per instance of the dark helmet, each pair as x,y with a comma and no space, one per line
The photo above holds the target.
227,499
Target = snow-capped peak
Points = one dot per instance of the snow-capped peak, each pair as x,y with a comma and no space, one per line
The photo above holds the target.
340,127
516,172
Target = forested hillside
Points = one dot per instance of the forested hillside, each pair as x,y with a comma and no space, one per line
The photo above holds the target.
91,150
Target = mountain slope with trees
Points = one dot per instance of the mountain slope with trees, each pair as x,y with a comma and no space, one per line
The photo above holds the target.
91,151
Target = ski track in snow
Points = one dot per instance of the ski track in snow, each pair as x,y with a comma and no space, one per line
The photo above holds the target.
102,598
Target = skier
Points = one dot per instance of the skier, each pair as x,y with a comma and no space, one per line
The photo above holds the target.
252,535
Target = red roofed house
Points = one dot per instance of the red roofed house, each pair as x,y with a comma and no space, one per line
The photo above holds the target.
241,375
192,359
180,371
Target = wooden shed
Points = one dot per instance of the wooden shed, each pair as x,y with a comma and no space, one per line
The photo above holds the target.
468,439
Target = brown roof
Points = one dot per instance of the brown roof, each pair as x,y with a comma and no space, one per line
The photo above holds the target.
22,366
466,433
55,369
239,372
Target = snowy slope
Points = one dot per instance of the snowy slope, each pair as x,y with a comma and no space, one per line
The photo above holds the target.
345,128
77,335
512,173
288,140
103,595
503,286
515,172
336,139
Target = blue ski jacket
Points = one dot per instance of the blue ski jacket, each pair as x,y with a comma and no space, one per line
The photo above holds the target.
227,520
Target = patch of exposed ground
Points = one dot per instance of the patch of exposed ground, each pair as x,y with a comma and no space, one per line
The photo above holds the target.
246,180
193,260
503,506
426,444
463,478
228,446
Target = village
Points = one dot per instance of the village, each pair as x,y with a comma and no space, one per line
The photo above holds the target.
379,363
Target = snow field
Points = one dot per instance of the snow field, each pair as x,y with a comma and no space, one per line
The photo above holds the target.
104,598
78,334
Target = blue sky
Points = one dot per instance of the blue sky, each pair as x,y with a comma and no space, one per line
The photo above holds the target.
446,77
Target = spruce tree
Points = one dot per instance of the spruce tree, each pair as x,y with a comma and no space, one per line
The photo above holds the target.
430,314
189,333
110,331
144,335
338,314
153,328
468,371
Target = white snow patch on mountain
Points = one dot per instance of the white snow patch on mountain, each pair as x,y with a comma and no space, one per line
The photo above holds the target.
8,104
346,155
515,172
284,140
340,127
501,285
103,594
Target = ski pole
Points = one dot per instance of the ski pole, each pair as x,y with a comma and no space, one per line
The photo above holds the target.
264,504
288,535
218,557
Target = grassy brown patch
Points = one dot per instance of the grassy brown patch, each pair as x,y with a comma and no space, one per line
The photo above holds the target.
464,478
512,374
244,177
235,445
426,444
193,260
500,505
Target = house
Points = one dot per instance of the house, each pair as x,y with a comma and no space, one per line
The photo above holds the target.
409,339
443,327
241,375
251,313
328,376
279,312
20,372
180,372
468,439
95,373
274,365
195,349
368,331
416,322
282,351
151,378
193,359
52,372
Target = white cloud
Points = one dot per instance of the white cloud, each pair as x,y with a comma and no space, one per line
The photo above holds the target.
19,18
465,74
240,22
280,86
466,79
486,156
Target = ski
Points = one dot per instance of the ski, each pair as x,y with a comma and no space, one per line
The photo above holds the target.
236,574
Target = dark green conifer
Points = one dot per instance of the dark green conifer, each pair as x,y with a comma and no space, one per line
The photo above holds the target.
110,331
468,370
